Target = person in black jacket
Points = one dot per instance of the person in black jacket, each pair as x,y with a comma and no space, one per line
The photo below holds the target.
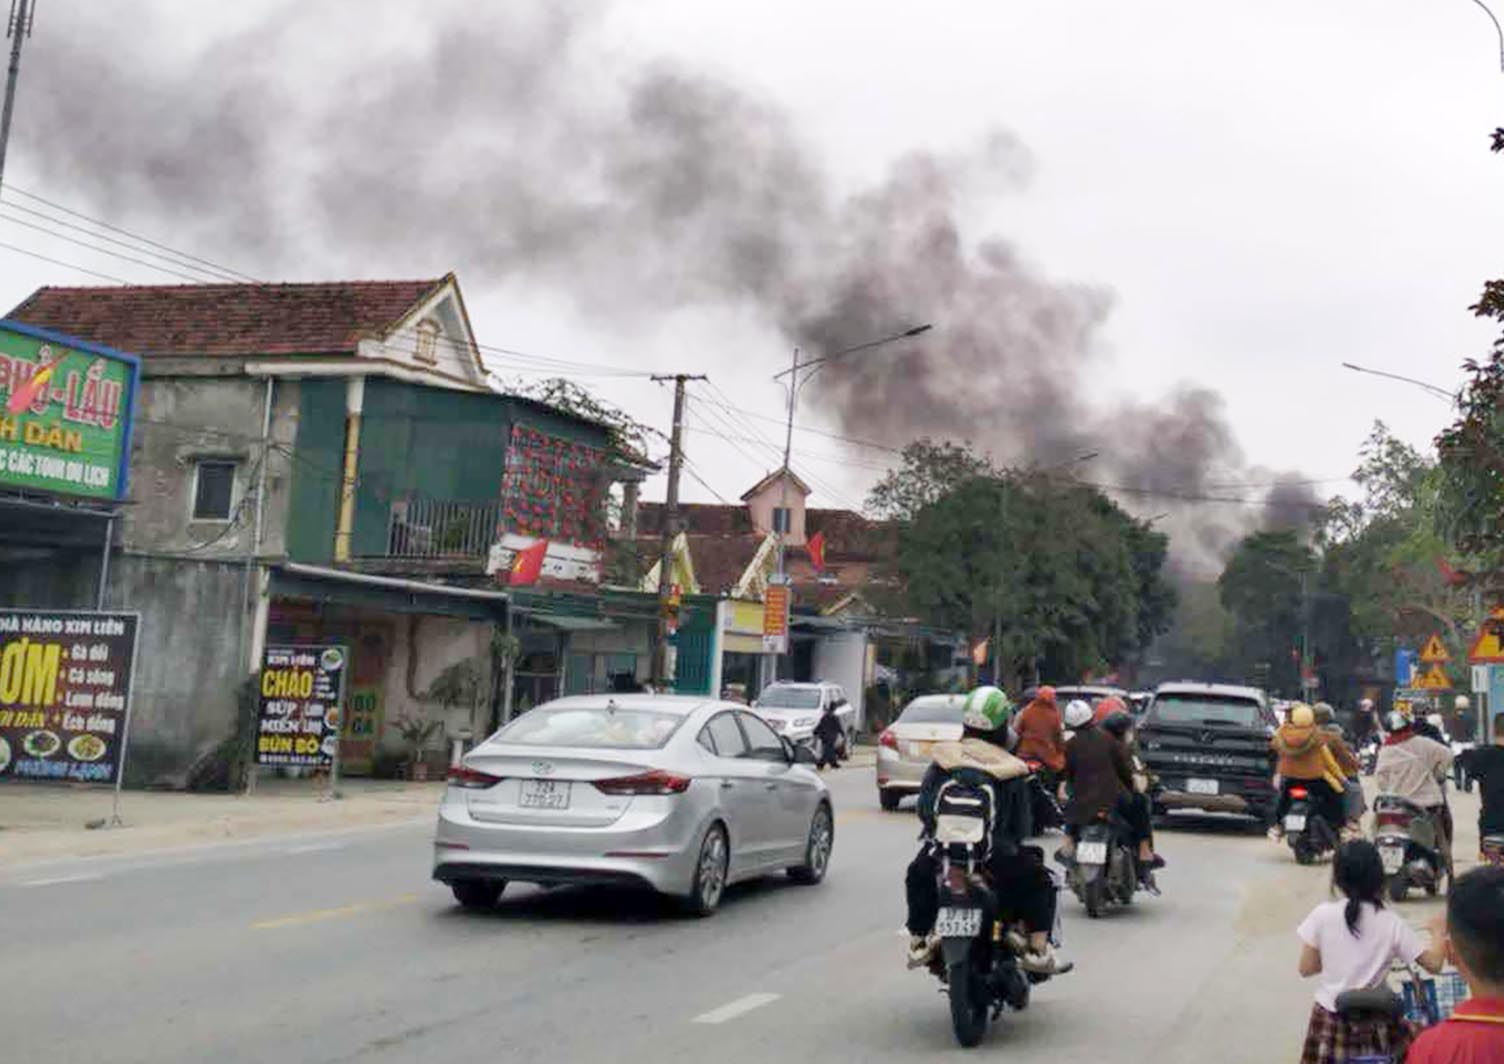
827,737
1486,765
1026,893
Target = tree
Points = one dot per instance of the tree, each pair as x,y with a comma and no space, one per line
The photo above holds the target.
929,471
1263,587
1470,497
1063,580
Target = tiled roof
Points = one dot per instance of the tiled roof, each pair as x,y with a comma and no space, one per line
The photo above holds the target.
227,319
704,519
773,478
719,560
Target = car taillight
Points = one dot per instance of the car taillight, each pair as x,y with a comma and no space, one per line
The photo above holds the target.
1299,792
1391,820
654,782
888,739
471,779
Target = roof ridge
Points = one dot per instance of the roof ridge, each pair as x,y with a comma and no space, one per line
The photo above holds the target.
205,285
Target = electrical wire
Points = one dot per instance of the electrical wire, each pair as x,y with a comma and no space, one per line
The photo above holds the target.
60,262
169,259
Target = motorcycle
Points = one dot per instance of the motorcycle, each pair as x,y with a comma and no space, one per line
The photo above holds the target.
1104,868
1492,848
1306,830
1044,808
1408,840
976,961
1368,757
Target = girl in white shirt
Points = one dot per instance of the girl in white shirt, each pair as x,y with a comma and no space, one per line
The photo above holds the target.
1351,944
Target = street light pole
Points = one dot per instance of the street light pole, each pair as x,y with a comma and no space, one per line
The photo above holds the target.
1430,389
792,373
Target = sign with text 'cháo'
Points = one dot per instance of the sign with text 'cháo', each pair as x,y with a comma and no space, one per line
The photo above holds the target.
302,698
65,413
65,685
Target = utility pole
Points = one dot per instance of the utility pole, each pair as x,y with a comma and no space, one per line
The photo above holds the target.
661,671
18,28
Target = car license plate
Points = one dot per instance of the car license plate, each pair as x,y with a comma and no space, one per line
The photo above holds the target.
958,923
1393,858
1295,822
918,751
1202,786
1091,853
544,794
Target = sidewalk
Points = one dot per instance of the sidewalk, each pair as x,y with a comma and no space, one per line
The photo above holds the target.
41,821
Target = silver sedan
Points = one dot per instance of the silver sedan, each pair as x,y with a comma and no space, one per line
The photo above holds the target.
903,748
678,794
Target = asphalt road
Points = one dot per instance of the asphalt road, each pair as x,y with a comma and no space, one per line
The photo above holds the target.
339,948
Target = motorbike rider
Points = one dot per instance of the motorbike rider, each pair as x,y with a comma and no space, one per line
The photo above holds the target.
1413,766
1100,771
1041,736
1023,886
1486,765
1306,759
1353,804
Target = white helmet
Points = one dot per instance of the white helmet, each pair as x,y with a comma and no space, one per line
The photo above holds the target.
1077,714
1461,702
1435,720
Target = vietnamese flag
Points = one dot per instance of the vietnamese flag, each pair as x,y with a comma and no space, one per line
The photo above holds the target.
24,396
527,564
816,548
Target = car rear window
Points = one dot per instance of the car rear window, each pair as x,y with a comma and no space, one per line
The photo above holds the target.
789,698
600,728
1207,709
932,711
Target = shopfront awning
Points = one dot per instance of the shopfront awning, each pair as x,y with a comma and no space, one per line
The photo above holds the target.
566,622
390,593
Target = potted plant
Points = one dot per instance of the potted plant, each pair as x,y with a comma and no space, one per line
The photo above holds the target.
416,732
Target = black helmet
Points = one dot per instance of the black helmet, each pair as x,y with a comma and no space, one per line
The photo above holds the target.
1119,723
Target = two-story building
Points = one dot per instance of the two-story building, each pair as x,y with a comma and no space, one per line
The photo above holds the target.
320,462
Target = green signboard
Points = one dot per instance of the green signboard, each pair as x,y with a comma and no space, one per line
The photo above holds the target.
65,413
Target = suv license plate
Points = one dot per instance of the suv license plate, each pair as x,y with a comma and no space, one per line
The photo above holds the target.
544,794
958,923
1091,853
1393,858
1202,787
1295,822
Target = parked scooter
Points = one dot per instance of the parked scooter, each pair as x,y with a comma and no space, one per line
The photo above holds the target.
1309,834
1104,869
976,961
1408,840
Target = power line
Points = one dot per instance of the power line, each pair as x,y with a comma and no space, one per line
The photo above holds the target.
221,277
98,250
126,232
60,262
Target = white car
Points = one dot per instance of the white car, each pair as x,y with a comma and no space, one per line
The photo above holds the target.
793,709
681,795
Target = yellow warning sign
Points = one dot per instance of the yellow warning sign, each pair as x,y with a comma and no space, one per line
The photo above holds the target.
1433,679
1434,652
1488,648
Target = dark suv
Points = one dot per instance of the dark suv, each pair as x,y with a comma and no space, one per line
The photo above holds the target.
1209,746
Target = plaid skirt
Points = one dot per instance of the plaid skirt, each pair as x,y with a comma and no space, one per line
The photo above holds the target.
1330,1039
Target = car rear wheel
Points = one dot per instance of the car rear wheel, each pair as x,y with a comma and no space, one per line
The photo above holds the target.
888,799
478,894
710,873
822,840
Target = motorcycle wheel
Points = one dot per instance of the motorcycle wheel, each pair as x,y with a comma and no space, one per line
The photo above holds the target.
1094,895
1398,889
968,1012
1303,853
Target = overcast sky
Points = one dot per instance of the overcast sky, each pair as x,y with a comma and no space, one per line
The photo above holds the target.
1265,189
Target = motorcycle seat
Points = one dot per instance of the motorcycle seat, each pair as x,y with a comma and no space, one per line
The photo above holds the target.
1377,1001
1395,801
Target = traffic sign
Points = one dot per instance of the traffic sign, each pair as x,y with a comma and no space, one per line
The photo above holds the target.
1488,648
1433,679
1435,652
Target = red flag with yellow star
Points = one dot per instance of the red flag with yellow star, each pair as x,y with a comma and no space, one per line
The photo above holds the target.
527,564
816,548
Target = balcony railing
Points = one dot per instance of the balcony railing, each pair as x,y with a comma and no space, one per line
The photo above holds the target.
421,527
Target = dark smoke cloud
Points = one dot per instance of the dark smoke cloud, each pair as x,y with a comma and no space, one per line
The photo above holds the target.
513,143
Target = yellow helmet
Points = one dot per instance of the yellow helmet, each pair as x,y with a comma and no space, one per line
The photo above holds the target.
1302,715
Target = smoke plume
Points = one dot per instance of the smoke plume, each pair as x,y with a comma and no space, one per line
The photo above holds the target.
507,140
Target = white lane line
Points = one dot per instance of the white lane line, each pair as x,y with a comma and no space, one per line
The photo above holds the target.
739,1007
317,847
84,877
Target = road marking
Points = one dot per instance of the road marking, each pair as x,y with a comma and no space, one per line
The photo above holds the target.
317,847
739,1007
315,916
82,877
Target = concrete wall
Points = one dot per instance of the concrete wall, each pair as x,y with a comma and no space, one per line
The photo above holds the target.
188,652
184,419
841,657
